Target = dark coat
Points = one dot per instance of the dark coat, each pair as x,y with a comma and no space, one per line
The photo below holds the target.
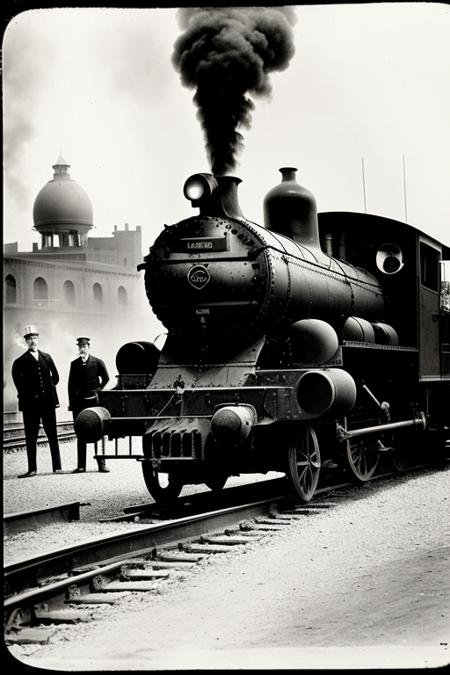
35,381
85,380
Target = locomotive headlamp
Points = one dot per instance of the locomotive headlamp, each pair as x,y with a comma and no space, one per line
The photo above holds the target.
199,186
389,259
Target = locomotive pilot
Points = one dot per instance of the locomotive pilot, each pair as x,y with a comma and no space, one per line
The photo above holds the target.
88,375
35,377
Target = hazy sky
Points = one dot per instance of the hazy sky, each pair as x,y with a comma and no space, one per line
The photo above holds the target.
368,80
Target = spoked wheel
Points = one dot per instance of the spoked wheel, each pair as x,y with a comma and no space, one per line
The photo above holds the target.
215,481
163,487
362,459
304,463
400,458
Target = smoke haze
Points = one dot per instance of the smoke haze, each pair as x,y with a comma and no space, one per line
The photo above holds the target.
227,54
22,77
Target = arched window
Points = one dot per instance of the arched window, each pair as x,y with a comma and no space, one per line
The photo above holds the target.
11,290
122,296
98,295
69,293
40,289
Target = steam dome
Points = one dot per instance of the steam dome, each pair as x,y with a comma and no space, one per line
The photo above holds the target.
290,209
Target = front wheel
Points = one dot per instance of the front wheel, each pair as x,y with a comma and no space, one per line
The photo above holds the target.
163,487
304,463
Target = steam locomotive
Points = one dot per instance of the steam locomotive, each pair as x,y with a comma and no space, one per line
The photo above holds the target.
312,343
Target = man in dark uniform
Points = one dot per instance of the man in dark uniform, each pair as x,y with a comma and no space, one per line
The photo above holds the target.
87,376
35,377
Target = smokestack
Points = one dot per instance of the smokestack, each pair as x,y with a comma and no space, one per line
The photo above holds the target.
224,200
225,54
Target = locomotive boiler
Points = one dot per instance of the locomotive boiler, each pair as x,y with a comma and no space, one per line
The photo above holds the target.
219,282
287,348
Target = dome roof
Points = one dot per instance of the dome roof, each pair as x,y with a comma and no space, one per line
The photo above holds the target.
62,203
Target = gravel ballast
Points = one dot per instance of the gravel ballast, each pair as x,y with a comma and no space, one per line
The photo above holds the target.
364,584
102,495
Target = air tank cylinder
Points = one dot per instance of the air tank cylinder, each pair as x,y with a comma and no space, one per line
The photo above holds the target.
290,209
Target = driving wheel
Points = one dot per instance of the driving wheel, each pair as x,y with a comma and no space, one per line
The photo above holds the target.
304,462
362,459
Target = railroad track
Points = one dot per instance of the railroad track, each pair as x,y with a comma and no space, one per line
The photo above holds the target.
14,436
63,585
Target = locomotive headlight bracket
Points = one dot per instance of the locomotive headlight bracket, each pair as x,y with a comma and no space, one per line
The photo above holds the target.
199,187
389,259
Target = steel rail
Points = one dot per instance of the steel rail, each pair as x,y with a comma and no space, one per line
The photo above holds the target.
103,551
20,441
23,579
24,521
14,427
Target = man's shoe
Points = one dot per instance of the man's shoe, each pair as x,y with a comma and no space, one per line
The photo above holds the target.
79,469
57,470
28,474
103,469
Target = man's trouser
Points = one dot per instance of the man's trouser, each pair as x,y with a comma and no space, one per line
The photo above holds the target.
31,420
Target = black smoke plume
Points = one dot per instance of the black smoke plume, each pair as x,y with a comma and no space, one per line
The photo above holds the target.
227,53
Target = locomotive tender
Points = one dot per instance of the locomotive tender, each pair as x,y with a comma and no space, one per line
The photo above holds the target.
310,343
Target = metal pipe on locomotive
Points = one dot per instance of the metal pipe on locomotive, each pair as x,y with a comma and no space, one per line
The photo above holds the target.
274,353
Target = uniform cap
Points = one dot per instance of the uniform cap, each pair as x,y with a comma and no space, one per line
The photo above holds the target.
83,341
30,330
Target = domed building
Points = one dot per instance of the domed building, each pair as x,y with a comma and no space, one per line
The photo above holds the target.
72,283
62,211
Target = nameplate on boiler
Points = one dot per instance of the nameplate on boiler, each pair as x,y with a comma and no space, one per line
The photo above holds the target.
202,244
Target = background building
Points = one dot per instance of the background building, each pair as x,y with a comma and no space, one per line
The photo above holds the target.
72,284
